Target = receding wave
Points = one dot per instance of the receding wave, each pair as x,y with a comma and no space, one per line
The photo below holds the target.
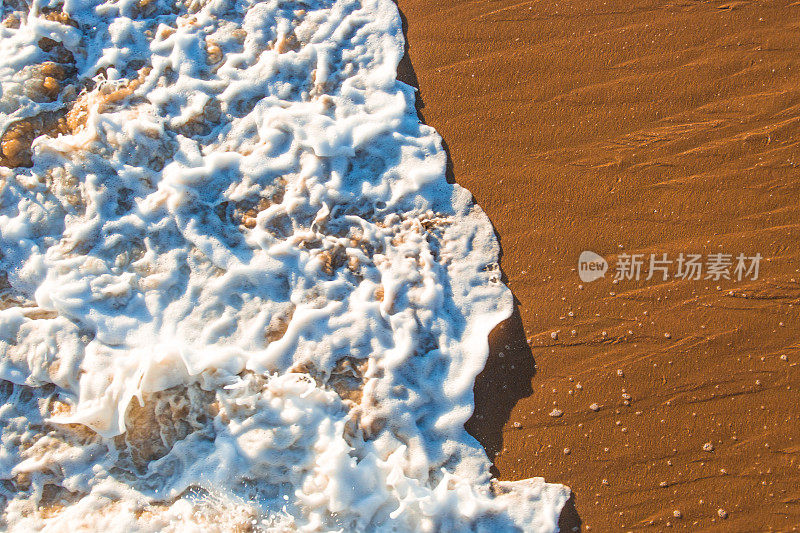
236,291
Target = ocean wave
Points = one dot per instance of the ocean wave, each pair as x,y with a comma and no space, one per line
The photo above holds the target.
237,291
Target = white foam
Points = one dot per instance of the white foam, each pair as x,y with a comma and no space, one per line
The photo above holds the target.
248,277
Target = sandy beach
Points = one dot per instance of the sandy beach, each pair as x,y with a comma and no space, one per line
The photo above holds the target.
244,288
632,128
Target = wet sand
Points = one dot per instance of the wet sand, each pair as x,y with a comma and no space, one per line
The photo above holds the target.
633,127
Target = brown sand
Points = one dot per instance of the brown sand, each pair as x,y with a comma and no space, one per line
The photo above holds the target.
639,127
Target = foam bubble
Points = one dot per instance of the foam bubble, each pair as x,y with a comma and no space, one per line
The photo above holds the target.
238,291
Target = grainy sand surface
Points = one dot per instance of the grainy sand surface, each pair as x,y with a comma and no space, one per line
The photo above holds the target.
635,127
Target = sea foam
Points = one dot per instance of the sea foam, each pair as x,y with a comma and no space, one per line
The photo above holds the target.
237,291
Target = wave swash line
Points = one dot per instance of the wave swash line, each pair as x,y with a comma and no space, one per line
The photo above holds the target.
237,292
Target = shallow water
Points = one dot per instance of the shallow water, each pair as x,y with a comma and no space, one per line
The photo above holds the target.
239,292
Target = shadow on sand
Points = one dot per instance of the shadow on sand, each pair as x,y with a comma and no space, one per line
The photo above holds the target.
510,367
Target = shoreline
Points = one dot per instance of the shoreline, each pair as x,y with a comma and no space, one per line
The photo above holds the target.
632,129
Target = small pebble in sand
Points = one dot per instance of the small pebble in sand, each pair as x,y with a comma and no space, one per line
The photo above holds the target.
626,396
708,447
579,386
517,425
722,513
677,514
604,482
554,335
594,407
555,413
566,451
667,336
784,357
620,373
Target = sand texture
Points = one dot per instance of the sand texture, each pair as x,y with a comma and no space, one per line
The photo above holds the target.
633,127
